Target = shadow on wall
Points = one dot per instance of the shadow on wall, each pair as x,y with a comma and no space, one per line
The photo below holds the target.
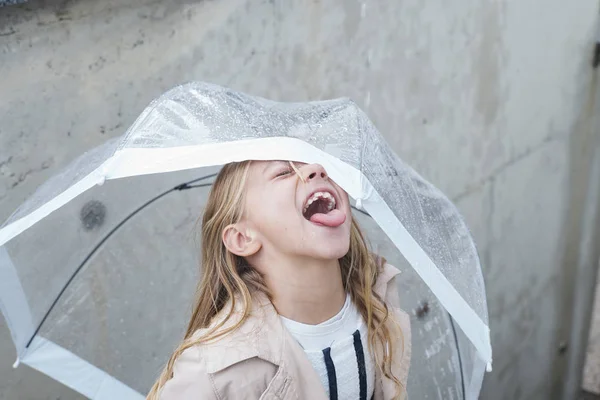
16,14
10,2
582,233
17,11
591,370
588,396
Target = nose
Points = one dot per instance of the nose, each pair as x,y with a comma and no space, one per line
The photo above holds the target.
312,171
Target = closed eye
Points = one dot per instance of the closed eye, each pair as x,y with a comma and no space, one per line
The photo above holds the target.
284,172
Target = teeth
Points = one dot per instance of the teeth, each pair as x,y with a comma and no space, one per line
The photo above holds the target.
321,195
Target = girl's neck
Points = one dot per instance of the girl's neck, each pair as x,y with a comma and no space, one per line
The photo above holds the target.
308,292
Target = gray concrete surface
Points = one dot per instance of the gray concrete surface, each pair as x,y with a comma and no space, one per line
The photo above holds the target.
589,396
591,372
484,98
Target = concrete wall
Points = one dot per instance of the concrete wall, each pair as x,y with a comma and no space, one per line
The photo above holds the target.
485,98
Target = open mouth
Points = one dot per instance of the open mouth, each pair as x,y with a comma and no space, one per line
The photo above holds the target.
318,203
321,208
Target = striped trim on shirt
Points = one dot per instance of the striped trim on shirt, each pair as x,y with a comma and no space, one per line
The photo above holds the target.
360,362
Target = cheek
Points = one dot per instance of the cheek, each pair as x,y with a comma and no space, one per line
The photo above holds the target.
273,215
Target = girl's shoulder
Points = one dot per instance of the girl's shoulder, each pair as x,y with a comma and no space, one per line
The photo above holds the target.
385,285
246,351
389,292
195,378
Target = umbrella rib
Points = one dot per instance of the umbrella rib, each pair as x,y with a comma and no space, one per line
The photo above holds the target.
201,179
361,211
105,238
187,186
460,366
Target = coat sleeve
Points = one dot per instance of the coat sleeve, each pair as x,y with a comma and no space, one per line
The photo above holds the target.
190,379
404,364
401,365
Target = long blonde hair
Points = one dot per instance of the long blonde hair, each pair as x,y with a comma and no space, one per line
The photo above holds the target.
228,278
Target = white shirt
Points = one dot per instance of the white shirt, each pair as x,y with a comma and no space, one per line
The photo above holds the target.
338,342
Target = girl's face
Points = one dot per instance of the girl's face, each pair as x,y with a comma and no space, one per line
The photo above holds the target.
293,217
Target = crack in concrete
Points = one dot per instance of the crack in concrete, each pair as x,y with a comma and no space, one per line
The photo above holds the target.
479,184
6,162
24,175
487,256
12,31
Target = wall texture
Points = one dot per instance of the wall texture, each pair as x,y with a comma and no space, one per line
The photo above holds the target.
493,101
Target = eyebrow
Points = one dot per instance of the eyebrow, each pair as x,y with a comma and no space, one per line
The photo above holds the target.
271,163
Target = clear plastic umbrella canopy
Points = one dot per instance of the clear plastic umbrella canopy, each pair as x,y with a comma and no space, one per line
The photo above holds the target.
98,267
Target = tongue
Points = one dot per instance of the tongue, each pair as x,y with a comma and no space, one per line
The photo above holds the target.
332,219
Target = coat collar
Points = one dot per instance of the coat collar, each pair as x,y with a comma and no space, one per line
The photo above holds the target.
263,335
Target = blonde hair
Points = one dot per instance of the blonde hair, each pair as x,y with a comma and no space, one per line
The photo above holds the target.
228,278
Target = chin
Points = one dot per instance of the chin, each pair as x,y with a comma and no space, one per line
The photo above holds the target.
331,251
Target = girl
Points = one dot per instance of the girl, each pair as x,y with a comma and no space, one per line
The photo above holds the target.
291,304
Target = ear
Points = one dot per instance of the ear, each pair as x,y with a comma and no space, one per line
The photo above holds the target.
240,240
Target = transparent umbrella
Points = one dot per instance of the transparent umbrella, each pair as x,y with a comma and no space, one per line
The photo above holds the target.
97,268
